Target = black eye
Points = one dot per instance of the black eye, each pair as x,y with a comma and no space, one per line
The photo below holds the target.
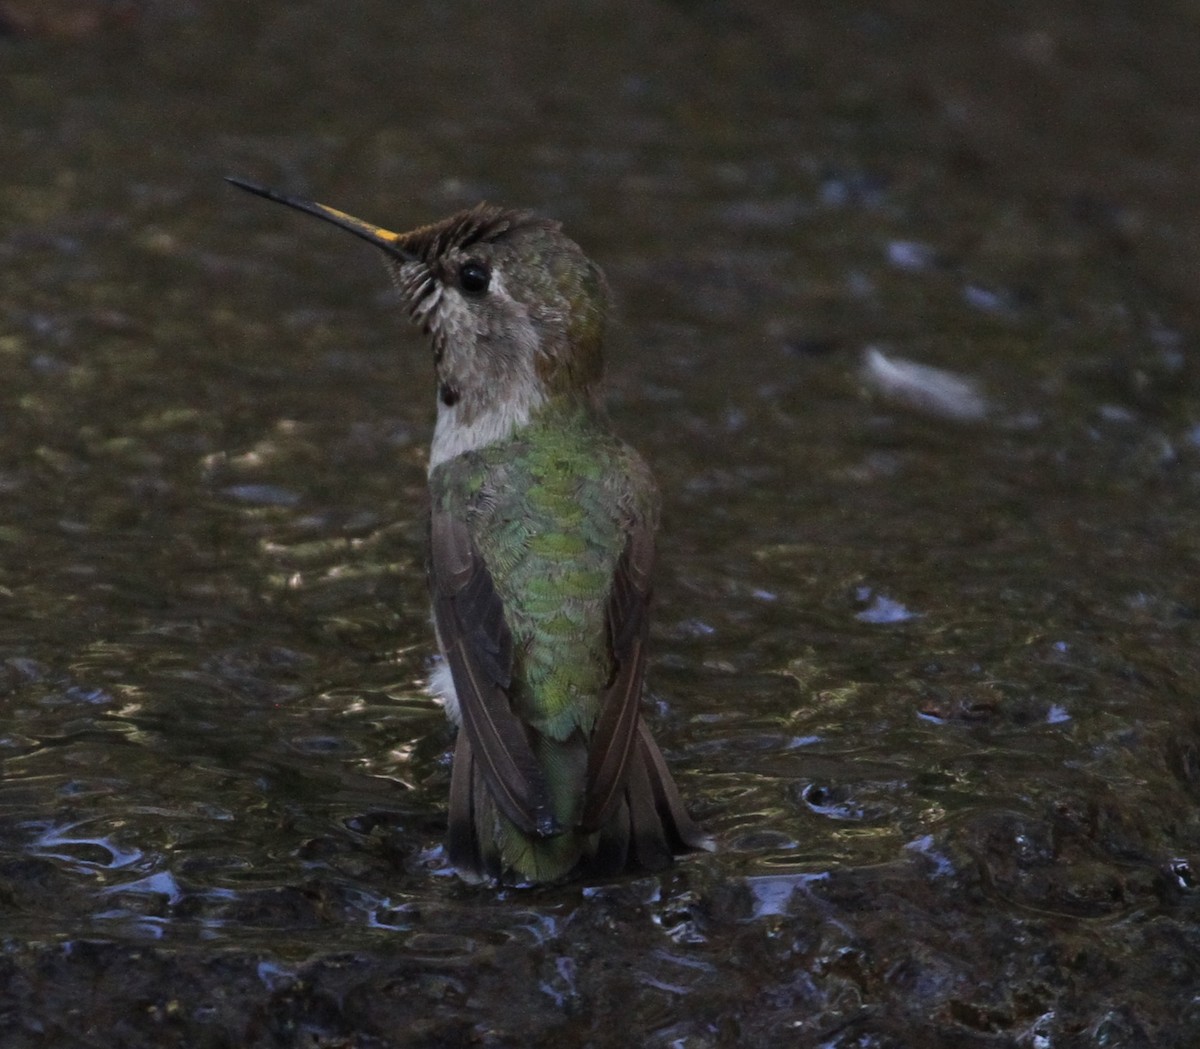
473,277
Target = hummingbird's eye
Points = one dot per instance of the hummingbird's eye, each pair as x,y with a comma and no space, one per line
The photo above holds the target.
473,277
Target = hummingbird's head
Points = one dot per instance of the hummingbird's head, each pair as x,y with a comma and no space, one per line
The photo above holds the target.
508,300
514,308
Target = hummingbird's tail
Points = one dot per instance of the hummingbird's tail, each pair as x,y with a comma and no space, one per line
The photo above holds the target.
485,846
648,827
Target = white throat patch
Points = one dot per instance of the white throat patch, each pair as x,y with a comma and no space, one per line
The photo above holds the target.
452,437
494,414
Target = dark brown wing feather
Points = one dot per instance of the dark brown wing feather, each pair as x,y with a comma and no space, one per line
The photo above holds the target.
612,741
479,649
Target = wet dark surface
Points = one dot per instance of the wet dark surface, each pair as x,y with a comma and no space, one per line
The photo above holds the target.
930,676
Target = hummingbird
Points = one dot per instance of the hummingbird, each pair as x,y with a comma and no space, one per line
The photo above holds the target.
542,544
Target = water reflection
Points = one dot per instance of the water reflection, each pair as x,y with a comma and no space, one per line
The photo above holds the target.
770,894
79,851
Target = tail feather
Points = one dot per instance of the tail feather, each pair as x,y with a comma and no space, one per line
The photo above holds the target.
462,837
611,854
647,827
470,838
683,833
650,828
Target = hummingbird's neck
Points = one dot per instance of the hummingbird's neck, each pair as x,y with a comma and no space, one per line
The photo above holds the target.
458,431
460,428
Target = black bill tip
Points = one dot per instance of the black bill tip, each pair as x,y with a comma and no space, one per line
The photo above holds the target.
382,238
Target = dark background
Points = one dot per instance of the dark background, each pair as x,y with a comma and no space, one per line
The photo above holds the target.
930,681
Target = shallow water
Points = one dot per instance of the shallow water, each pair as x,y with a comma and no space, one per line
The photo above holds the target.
929,679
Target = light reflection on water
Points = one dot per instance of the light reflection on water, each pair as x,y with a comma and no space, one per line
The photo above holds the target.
771,893
81,852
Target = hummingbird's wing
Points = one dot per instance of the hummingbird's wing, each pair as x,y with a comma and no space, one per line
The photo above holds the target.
612,744
478,647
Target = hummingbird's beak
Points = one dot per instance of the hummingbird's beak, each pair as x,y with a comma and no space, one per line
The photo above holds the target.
377,235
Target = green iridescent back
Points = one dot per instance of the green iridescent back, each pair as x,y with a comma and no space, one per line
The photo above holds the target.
549,511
